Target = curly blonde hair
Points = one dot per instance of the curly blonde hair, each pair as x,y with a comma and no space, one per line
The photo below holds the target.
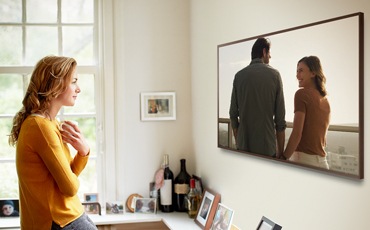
49,79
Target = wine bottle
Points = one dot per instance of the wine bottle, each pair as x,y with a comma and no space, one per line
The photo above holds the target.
193,200
167,188
181,188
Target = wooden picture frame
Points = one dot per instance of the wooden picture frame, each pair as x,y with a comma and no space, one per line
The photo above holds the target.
207,209
130,202
158,106
223,218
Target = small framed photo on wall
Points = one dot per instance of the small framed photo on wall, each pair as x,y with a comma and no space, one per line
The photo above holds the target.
207,209
158,106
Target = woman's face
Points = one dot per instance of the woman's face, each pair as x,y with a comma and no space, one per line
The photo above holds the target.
304,76
69,96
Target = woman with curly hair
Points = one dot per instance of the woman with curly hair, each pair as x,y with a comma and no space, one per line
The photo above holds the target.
47,172
307,141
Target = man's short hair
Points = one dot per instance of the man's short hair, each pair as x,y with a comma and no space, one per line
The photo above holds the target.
258,46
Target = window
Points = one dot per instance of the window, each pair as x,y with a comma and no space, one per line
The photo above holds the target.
30,30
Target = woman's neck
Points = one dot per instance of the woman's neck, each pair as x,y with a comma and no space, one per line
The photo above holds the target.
53,111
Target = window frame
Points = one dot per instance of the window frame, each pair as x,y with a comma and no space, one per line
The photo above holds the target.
96,69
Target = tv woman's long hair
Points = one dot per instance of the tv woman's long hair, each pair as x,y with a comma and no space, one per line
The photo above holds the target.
314,64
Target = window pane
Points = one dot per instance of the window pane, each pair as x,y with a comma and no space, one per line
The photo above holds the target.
40,41
88,181
42,11
46,30
9,183
10,10
88,177
88,129
81,11
6,151
10,45
11,93
85,102
78,43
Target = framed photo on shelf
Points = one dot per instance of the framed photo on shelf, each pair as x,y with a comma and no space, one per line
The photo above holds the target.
130,203
223,218
114,207
145,205
91,197
198,184
92,208
158,106
9,207
267,224
207,209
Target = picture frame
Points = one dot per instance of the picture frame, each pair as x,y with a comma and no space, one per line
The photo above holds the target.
92,208
9,208
154,193
198,184
91,197
114,207
158,106
267,224
145,205
223,218
130,202
207,209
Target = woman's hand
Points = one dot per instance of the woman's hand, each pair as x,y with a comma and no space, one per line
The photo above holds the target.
72,135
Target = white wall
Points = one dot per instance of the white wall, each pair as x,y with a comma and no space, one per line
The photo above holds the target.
162,45
298,199
151,54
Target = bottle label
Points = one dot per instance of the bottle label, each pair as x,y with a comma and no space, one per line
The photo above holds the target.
181,188
166,193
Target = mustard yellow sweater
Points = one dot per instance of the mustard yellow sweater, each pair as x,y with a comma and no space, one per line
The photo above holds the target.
47,174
